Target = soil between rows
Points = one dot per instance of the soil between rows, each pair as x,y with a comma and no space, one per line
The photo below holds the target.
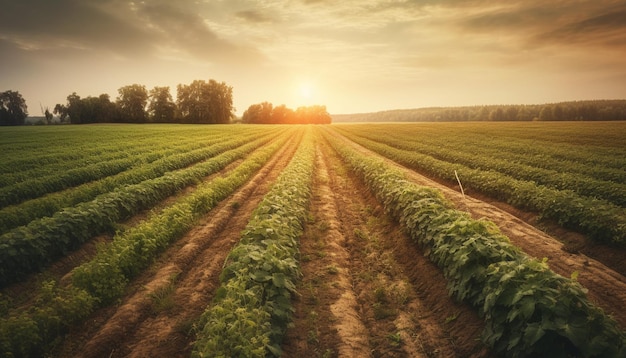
156,318
606,287
23,292
366,290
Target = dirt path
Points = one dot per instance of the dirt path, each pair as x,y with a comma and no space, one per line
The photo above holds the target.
156,318
366,292
607,288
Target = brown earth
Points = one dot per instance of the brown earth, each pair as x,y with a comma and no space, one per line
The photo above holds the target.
366,290
156,318
606,287
24,292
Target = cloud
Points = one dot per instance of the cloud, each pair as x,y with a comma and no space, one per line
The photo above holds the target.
254,16
605,29
40,24
125,29
558,23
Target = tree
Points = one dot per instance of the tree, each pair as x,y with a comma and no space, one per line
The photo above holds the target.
162,107
546,113
258,113
557,113
315,114
88,110
74,108
61,111
282,115
205,102
46,113
132,103
13,109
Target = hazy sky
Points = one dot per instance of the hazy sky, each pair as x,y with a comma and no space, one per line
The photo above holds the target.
351,55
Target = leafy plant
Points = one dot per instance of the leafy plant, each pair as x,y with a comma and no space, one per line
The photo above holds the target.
528,309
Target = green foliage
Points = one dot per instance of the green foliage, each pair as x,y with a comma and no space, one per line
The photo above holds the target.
569,199
27,249
252,309
106,275
147,164
102,280
528,309
31,333
13,109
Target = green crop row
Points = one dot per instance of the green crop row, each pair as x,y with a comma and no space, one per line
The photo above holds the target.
29,248
33,331
602,221
106,275
475,157
252,308
17,215
35,187
102,153
31,148
522,147
528,309
73,173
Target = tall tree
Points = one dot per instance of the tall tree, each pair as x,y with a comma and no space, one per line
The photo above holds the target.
88,110
13,109
162,107
282,115
74,108
316,114
205,102
260,113
61,111
546,113
132,102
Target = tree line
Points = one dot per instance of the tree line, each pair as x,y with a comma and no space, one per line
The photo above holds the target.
13,109
597,110
199,102
266,113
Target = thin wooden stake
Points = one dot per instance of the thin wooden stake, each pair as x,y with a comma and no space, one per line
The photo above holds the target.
459,181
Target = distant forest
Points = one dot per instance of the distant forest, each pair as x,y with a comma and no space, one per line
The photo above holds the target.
600,110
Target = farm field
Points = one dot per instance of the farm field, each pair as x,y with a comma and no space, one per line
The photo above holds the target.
341,240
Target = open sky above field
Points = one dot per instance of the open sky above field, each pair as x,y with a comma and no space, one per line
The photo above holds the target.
352,55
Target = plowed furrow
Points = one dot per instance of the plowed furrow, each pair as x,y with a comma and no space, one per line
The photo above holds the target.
358,295
157,318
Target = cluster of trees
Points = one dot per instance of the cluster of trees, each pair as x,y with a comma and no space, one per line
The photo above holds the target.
601,110
199,102
13,109
266,113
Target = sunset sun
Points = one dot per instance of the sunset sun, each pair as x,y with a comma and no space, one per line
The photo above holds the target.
306,91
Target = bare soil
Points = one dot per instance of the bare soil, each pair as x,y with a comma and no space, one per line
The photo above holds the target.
156,318
606,286
367,291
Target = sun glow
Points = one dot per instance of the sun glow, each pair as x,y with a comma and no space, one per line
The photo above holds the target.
306,91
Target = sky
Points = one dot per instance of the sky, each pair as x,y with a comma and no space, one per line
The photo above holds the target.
353,56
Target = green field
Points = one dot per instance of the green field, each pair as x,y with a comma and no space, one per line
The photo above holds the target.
573,173
146,186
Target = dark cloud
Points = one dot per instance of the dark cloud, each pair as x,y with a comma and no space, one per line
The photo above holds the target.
254,16
41,24
125,29
185,30
563,23
608,29
516,19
